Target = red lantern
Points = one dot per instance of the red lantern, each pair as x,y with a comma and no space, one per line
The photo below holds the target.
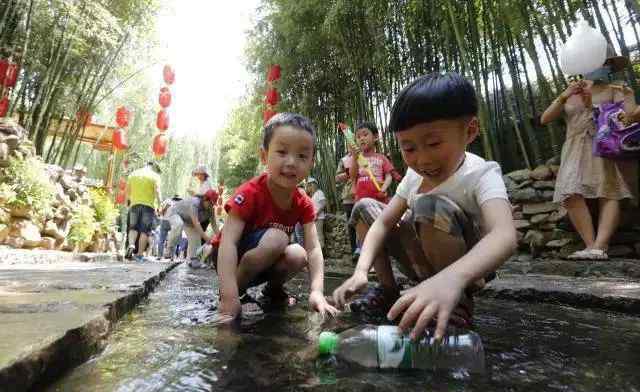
168,74
119,140
4,64
125,163
122,184
12,75
122,117
274,73
267,114
84,117
120,197
165,97
159,146
272,97
162,121
4,106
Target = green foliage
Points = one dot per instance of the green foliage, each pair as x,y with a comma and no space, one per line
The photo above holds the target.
83,226
346,61
25,184
7,194
74,54
106,211
239,144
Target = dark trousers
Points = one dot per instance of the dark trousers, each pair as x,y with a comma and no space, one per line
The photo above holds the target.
347,208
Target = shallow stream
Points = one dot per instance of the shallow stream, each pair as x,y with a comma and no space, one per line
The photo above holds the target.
171,343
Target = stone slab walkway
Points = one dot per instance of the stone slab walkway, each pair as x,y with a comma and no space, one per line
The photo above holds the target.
55,313
621,295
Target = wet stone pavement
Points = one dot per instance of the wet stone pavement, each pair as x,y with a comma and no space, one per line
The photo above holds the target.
56,314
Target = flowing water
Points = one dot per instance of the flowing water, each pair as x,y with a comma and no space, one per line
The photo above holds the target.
171,343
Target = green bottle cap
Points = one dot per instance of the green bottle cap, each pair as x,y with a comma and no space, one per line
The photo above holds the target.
327,343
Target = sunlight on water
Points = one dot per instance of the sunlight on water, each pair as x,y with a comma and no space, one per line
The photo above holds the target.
171,343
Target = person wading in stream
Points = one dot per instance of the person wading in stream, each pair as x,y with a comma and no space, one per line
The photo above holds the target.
254,246
143,197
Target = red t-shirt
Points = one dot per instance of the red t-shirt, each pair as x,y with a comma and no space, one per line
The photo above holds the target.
252,202
379,165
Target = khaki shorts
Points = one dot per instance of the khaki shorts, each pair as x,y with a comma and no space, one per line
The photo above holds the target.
403,242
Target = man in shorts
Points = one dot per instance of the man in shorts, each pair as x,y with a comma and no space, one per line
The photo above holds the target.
143,195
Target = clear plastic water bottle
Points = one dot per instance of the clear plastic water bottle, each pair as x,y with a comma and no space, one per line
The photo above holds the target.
385,346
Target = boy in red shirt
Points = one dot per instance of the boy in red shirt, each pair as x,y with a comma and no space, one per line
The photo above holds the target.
254,245
379,166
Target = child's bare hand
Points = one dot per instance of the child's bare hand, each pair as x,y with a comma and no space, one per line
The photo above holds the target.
435,297
319,303
353,149
356,283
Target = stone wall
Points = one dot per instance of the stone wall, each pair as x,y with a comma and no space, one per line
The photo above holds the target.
22,227
544,228
336,239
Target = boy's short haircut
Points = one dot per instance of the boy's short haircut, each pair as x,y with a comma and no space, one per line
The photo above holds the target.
291,119
369,125
433,97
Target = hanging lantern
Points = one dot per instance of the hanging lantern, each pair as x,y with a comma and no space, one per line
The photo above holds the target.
165,97
122,117
4,64
159,146
162,121
218,211
274,73
584,52
120,197
122,184
4,106
119,140
125,163
11,75
272,97
168,74
267,114
84,117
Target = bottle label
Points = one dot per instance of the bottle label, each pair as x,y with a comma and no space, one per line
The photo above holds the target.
394,349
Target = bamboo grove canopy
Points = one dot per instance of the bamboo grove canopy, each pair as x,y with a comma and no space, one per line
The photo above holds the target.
69,52
346,60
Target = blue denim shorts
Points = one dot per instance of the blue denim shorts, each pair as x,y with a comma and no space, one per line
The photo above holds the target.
250,241
247,242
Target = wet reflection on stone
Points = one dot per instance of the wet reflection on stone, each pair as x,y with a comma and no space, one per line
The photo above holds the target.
172,343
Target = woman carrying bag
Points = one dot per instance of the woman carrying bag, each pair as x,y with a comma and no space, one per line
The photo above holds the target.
584,176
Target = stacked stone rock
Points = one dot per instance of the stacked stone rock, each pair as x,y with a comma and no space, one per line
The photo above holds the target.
336,240
19,227
543,226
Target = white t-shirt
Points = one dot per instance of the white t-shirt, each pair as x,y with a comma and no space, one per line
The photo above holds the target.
475,182
319,202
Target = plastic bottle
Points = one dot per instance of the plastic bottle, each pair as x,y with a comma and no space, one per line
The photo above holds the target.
385,346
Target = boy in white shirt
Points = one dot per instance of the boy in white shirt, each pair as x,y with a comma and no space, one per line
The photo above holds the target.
449,223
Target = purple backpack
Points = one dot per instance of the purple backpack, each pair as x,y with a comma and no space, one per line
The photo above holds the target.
614,139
